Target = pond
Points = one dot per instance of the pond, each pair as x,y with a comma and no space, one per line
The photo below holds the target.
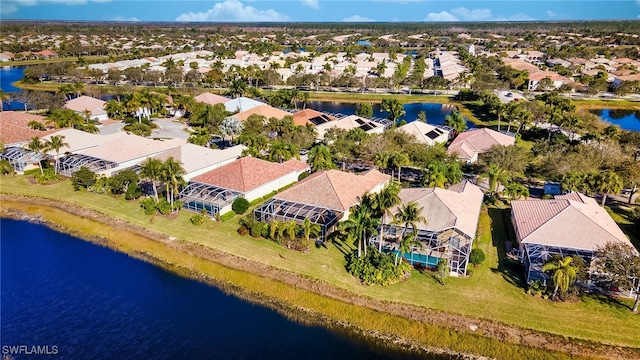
9,75
626,119
435,112
94,303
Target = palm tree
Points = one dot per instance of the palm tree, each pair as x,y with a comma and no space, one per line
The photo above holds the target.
607,183
516,191
237,88
361,222
310,229
394,109
173,171
456,121
291,229
407,243
573,181
273,229
55,142
564,274
320,158
151,169
280,151
114,109
409,215
497,176
383,201
37,147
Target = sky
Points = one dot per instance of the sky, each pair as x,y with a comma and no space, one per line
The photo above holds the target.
319,10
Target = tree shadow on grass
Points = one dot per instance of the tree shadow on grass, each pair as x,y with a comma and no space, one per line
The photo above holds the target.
479,112
608,300
334,239
510,269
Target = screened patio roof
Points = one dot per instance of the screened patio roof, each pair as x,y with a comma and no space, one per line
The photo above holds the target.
284,210
214,196
19,157
69,164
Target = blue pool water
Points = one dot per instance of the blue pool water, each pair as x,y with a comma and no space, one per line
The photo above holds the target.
94,303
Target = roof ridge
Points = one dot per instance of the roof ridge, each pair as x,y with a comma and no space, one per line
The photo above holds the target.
333,188
588,217
568,205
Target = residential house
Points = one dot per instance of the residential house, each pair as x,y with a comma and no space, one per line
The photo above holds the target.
572,224
351,122
448,232
426,133
469,144
248,177
324,198
84,105
312,117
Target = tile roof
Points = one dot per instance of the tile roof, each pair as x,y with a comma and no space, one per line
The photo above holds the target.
334,189
211,99
130,147
425,133
82,103
14,128
241,104
195,157
81,140
476,141
248,173
264,110
310,116
457,207
570,221
348,123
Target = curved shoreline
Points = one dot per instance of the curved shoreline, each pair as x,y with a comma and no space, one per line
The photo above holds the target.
214,267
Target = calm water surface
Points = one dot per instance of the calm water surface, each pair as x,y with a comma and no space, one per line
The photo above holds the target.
626,119
9,75
435,112
94,303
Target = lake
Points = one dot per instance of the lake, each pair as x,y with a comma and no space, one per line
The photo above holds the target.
626,119
9,75
94,303
435,112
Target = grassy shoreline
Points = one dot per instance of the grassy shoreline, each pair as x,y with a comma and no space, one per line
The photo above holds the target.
295,303
509,318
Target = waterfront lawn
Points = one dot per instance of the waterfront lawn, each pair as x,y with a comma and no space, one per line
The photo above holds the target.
493,292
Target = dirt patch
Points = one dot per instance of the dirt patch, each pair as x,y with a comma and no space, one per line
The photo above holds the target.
487,328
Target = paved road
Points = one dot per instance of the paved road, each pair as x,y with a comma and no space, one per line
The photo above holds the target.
111,129
170,128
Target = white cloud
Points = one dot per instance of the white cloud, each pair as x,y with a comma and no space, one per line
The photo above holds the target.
441,16
10,6
552,14
311,3
472,15
357,18
233,10
120,18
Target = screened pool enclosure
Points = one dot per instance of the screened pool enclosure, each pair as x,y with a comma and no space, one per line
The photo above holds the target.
197,196
20,158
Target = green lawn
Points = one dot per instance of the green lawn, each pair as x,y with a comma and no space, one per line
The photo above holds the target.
493,292
89,59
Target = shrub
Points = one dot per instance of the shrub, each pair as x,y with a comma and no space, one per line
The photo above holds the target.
133,191
149,205
257,228
164,207
470,270
197,219
240,205
6,168
48,175
477,256
303,176
376,268
83,178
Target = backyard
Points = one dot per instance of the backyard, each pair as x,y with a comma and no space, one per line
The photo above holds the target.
493,292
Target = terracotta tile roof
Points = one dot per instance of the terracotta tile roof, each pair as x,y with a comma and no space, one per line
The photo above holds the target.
334,189
130,147
82,103
571,221
264,110
457,207
350,122
14,128
310,116
248,173
211,99
476,141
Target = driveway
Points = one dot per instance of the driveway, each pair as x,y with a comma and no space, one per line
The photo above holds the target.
170,129
111,129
